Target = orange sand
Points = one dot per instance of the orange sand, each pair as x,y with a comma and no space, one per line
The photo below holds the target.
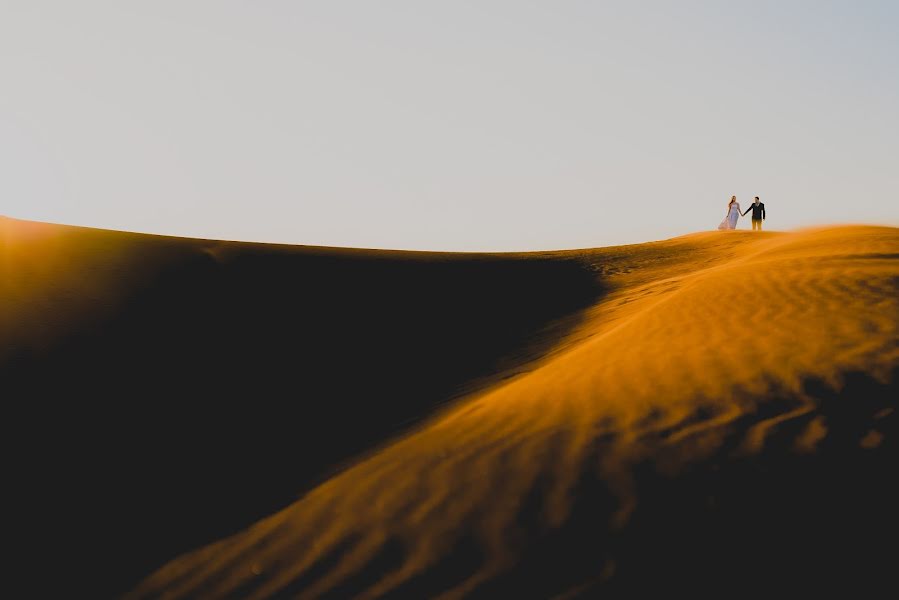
698,334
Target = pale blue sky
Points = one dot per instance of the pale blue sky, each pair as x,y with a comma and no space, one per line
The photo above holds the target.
455,125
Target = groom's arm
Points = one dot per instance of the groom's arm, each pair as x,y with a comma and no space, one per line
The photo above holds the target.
763,212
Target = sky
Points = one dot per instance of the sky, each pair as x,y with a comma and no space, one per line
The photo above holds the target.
485,125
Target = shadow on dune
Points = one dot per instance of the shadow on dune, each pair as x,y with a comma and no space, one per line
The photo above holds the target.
780,520
233,380
726,522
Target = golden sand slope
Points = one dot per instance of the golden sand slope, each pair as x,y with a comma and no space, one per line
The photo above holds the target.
38,273
171,392
700,336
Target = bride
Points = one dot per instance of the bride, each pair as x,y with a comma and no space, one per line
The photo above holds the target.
733,213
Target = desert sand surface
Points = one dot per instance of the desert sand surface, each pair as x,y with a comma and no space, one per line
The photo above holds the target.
712,414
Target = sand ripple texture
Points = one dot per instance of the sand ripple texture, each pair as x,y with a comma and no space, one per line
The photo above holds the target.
704,349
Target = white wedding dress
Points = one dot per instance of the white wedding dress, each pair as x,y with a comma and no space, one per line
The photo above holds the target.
730,221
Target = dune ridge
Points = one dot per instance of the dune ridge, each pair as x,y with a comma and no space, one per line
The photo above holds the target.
162,393
719,368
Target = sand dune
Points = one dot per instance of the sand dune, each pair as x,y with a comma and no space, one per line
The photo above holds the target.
718,368
708,414
168,392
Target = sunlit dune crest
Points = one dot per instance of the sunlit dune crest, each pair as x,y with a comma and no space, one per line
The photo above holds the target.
714,360
38,268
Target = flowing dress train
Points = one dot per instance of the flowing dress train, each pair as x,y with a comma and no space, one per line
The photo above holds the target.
730,221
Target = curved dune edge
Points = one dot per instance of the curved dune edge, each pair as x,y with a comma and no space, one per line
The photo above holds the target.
186,377
668,366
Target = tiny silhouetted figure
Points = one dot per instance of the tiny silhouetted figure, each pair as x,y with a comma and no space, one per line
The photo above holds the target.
758,214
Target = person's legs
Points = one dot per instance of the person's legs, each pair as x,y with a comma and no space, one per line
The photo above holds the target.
756,224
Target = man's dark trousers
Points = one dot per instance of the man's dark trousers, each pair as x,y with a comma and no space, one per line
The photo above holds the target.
756,224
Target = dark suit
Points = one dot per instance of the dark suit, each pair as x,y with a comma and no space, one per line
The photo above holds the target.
758,214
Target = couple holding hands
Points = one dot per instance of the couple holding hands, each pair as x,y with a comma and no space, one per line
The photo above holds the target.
733,213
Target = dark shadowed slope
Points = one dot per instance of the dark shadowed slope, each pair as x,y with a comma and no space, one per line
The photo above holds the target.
721,423
161,393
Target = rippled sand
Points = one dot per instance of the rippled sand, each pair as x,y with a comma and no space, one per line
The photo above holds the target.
717,360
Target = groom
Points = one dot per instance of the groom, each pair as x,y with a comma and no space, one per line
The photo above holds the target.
758,214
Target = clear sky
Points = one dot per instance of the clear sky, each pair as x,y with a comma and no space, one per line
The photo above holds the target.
450,125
